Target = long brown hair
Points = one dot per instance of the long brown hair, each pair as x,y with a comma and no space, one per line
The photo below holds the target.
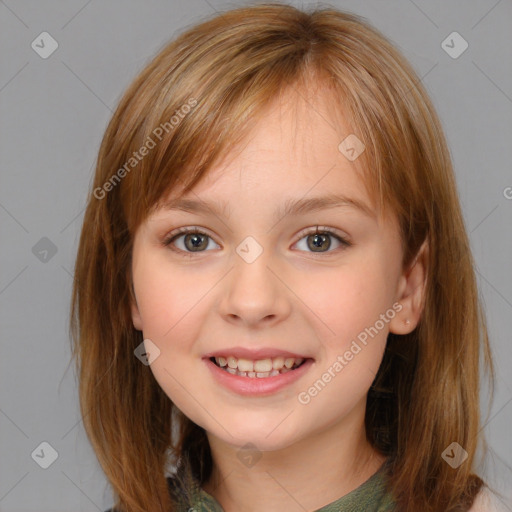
192,104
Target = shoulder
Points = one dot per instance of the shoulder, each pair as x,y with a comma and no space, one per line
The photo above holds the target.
486,501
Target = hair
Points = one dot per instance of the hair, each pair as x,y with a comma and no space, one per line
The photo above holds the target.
192,104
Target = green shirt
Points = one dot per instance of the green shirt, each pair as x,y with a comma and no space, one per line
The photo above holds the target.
370,496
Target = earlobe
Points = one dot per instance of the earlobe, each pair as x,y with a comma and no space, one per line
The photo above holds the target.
411,293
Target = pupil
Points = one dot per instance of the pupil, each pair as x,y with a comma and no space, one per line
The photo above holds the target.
196,241
318,240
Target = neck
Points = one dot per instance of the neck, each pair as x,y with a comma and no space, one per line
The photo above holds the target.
305,475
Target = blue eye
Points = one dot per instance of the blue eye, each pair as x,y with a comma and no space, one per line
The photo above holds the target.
195,240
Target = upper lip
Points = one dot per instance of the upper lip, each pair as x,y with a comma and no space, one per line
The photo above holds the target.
253,354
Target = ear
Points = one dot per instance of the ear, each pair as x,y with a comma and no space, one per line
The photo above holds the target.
136,318
411,292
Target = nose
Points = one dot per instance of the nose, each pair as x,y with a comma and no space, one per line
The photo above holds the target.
254,293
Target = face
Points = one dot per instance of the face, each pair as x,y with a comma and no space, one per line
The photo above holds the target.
251,281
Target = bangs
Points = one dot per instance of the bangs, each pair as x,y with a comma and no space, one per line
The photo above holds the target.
191,111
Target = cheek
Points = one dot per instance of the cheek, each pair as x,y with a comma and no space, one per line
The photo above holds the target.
171,310
166,298
353,307
352,299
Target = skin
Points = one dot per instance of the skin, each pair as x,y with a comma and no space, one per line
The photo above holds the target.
290,297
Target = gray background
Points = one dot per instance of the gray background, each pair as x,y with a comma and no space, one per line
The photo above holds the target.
53,114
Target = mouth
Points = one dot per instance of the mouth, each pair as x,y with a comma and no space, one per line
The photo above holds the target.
261,368
257,377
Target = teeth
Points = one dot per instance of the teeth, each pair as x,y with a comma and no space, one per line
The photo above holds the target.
260,368
245,365
263,365
289,362
278,363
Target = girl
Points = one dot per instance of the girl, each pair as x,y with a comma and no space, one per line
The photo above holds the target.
275,306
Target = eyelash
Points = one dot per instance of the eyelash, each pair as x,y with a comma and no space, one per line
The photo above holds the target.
321,230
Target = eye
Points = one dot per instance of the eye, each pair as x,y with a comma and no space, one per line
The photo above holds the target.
319,239
193,241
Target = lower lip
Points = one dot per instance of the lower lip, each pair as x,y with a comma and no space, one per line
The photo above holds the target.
257,386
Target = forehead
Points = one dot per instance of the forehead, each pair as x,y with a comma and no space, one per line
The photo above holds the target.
292,155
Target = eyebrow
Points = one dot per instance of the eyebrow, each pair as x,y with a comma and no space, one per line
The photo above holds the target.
290,207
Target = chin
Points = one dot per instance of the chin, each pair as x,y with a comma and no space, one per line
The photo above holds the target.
265,437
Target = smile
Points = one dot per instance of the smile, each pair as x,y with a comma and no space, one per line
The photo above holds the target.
255,382
261,368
